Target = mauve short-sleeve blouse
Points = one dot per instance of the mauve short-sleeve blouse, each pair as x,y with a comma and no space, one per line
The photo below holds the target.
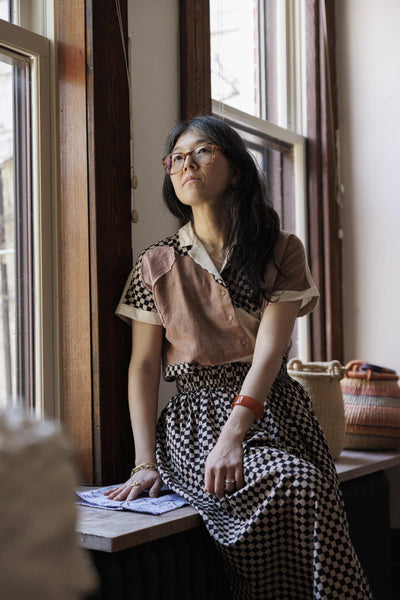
208,317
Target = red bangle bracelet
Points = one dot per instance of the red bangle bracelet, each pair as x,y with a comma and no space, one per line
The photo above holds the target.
248,402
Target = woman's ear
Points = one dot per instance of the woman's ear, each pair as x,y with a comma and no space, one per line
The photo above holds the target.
235,176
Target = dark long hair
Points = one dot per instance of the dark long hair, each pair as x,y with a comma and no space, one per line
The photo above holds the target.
252,224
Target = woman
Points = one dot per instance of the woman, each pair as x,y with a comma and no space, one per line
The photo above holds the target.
240,441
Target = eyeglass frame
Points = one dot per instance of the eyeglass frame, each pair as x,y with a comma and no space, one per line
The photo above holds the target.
185,154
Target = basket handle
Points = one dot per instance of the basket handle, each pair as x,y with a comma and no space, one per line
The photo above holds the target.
354,365
352,369
333,368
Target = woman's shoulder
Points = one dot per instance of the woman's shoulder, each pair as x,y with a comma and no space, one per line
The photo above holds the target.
171,241
288,243
158,258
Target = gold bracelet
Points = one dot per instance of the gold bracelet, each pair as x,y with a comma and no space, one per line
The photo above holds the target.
143,466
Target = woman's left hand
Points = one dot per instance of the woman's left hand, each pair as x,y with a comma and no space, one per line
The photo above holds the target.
139,482
224,467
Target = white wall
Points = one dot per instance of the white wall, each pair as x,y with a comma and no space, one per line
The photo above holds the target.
153,26
368,51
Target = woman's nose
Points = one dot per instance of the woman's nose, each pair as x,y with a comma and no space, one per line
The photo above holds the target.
189,162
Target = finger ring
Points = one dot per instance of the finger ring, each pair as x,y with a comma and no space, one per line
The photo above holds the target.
137,483
229,481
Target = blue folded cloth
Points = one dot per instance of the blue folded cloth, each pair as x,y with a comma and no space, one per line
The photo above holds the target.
165,502
376,368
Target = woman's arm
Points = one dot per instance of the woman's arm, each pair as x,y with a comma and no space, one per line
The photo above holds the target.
143,387
226,459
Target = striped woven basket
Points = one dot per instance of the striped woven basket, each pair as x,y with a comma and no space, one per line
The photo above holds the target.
371,397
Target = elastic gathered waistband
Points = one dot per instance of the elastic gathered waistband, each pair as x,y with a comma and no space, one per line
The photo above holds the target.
230,375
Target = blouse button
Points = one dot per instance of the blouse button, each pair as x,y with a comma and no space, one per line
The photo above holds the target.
223,293
230,317
243,342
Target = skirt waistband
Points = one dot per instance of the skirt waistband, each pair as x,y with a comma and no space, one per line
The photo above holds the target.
230,375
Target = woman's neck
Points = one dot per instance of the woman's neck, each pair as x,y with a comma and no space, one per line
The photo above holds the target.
210,229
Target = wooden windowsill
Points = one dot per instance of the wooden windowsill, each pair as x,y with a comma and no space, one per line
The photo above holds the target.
356,463
111,531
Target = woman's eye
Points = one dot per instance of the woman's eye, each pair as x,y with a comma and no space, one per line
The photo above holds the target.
203,150
177,158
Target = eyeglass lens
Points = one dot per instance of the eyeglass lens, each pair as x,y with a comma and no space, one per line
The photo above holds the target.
201,155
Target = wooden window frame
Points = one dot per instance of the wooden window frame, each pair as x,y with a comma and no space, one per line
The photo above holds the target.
94,235
323,210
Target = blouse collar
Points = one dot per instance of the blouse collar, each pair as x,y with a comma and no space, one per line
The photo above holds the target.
188,238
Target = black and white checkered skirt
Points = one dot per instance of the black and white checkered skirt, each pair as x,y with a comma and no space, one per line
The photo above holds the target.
284,536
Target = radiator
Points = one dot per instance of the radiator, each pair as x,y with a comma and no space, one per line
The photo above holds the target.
186,566
367,506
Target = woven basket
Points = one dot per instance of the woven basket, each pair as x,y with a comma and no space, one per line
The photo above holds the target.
322,382
372,407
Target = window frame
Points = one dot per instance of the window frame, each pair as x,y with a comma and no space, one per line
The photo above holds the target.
277,136
36,49
94,233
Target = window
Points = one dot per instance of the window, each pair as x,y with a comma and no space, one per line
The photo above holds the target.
89,219
255,86
236,54
28,14
258,59
26,315
297,95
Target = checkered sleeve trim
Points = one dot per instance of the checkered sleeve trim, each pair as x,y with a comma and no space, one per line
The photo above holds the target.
129,313
137,301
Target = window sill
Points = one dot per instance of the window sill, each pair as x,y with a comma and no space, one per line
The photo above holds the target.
110,531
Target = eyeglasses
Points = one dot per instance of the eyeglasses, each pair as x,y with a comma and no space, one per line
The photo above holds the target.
204,154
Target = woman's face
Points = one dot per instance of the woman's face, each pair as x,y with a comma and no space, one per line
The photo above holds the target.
198,184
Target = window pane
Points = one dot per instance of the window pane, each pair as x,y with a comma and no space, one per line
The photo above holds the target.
235,54
275,108
16,319
5,10
257,59
275,159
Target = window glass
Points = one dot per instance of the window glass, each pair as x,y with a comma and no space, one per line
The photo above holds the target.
235,54
276,161
258,59
5,10
16,280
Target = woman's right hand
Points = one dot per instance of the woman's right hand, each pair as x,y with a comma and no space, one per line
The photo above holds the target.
145,479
